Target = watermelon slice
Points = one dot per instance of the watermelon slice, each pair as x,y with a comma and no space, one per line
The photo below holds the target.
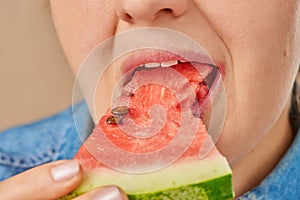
154,153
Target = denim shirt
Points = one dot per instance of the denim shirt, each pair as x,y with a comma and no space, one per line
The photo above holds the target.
50,139
57,137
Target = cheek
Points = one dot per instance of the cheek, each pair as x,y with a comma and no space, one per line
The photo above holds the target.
262,43
81,25
254,107
254,31
265,59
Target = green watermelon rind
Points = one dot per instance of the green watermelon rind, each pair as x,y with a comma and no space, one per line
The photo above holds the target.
217,189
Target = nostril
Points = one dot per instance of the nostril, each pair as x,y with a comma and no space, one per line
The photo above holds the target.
168,10
127,16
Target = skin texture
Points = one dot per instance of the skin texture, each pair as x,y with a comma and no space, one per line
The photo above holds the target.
40,186
256,41
39,183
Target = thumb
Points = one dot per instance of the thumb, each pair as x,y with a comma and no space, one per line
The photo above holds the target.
49,181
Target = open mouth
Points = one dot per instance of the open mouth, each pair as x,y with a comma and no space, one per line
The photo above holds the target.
162,97
201,77
208,72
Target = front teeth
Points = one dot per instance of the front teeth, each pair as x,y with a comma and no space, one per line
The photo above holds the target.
169,63
152,65
162,64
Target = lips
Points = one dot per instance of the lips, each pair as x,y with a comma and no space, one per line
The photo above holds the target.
142,57
149,59
206,71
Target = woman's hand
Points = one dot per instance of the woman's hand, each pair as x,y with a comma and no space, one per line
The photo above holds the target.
52,181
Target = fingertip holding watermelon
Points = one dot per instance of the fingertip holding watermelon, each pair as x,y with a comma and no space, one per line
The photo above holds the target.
189,177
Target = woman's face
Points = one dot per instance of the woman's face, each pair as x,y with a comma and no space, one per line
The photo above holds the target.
257,41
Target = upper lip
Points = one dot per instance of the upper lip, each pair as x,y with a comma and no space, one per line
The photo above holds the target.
142,57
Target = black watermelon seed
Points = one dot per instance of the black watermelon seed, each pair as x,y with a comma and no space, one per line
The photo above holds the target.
114,120
121,110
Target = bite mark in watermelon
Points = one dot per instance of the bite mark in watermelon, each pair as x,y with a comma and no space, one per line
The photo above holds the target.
187,178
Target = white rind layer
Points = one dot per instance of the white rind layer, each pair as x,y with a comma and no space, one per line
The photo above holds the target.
185,172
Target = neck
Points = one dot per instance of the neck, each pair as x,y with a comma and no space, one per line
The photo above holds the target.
249,171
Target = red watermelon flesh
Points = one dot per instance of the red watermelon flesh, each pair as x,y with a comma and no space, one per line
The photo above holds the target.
152,87
145,130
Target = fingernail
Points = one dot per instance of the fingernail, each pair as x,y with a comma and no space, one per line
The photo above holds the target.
108,193
65,171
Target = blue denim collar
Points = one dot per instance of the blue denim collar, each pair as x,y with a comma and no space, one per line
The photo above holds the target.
284,181
53,138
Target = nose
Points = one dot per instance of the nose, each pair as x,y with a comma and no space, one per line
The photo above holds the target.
133,11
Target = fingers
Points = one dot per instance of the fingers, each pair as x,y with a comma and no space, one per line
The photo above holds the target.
52,181
49,181
104,193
